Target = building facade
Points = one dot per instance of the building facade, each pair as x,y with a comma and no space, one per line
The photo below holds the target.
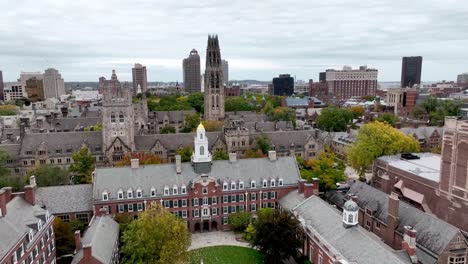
140,80
283,85
403,100
411,71
24,76
191,70
462,78
14,91
214,81
35,89
1,86
54,85
347,83
26,231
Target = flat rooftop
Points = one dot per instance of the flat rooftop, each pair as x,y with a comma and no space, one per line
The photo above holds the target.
428,166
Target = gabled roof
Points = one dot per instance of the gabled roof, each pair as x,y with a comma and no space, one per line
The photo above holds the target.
66,198
171,141
422,132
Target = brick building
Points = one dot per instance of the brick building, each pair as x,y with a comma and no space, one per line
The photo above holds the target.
100,243
427,137
347,83
203,193
26,232
319,90
403,100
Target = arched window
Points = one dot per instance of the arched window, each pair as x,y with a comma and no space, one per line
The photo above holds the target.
201,135
112,117
212,101
202,150
350,218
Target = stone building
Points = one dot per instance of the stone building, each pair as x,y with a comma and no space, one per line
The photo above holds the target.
26,231
214,81
160,119
428,137
54,85
347,83
203,192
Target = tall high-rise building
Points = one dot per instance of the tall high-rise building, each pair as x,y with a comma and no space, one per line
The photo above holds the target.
461,78
225,70
35,89
214,80
347,83
140,81
411,71
1,86
24,76
283,85
191,71
54,85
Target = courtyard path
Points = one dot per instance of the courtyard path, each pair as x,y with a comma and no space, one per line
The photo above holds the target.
215,238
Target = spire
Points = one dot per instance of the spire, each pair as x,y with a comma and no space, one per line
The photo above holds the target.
114,76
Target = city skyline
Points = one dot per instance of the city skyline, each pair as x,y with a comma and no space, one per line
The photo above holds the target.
259,42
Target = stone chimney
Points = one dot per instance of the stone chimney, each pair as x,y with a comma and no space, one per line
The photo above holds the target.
3,203
232,157
392,219
272,155
178,164
409,243
87,253
77,240
30,194
134,163
301,185
308,189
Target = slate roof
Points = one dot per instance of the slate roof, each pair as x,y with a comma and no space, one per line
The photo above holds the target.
422,132
172,141
13,150
433,234
20,217
159,176
173,116
102,234
355,244
72,124
66,198
291,200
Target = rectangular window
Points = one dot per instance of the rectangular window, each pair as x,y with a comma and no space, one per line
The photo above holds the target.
214,211
130,207
205,212
225,210
153,193
139,206
253,207
241,186
233,209
265,195
121,208
377,225
166,204
225,220
233,198
225,199
196,213
241,197
241,208
64,218
205,200
253,196
59,161
82,217
184,202
195,202
184,214
175,203
214,200
68,160
273,195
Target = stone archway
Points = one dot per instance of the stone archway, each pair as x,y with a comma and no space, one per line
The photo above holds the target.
206,226
214,226
197,227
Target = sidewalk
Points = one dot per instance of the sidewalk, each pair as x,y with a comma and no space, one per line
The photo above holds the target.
216,238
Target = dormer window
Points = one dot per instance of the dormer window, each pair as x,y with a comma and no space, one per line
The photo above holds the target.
139,193
175,190
265,183
233,185
241,185
105,196
153,192
39,225
130,194
280,182
120,194
272,183
253,185
166,190
183,189
225,186
30,235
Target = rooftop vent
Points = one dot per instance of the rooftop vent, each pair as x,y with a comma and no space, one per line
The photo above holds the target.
409,156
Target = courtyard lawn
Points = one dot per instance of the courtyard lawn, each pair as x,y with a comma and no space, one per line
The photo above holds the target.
225,255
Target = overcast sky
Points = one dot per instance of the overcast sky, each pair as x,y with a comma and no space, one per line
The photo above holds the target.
86,39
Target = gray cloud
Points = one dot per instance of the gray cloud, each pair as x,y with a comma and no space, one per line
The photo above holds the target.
86,39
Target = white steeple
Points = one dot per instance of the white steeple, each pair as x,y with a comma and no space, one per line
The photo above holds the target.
201,153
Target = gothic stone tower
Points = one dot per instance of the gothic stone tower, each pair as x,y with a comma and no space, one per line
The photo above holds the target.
214,81
118,129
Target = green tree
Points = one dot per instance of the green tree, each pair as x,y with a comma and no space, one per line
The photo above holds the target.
49,175
284,114
168,130
263,143
378,139
196,100
83,166
254,153
327,168
436,110
239,221
64,237
237,103
191,122
6,179
388,118
185,154
220,155
334,119
357,111
268,108
4,171
368,98
157,236
277,235
212,125
7,110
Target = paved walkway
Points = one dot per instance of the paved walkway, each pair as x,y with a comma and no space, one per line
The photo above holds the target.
215,238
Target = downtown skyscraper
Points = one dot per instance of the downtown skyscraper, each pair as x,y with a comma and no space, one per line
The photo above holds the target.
140,81
411,71
191,72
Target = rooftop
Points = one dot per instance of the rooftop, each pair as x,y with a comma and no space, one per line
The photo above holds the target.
428,166
66,198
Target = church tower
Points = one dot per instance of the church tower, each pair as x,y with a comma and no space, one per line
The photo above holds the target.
118,130
201,158
214,81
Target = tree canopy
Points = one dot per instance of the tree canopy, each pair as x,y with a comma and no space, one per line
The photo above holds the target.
277,235
196,100
144,159
357,111
7,110
191,122
50,175
167,129
378,139
220,155
82,166
334,119
185,154
435,110
239,221
326,167
263,143
168,103
212,125
283,114
157,236
6,179
388,118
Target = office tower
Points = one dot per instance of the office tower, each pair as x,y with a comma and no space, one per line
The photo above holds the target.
140,81
225,70
35,89
214,80
347,83
54,85
283,85
191,71
24,76
461,78
1,86
411,71
322,77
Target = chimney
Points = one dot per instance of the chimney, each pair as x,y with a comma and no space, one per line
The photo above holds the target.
308,189
134,163
77,240
232,157
32,181
272,155
3,203
178,164
87,254
409,243
315,182
29,194
301,185
348,129
393,204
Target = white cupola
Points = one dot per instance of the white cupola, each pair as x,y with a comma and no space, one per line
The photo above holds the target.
350,214
201,153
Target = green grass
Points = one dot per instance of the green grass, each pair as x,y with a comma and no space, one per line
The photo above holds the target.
225,255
